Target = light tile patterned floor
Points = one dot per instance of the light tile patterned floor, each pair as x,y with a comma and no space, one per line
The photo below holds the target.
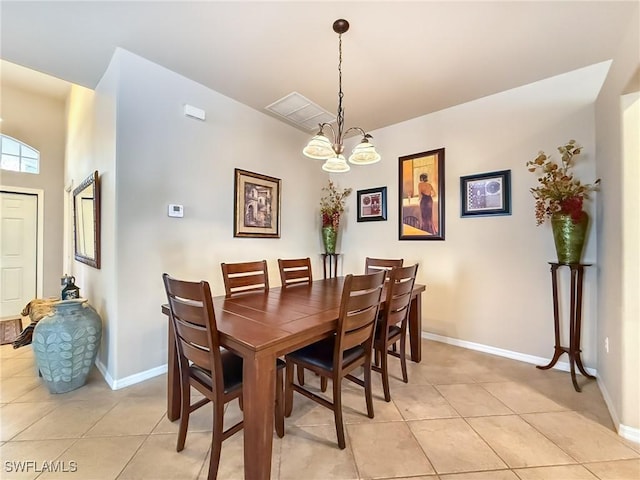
464,415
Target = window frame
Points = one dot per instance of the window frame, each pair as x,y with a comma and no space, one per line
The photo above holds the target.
25,161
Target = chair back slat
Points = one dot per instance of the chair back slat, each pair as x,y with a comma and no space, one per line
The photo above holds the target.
373,265
295,271
245,277
191,333
201,358
359,307
194,326
190,312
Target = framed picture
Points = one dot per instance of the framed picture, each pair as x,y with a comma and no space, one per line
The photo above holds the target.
421,198
256,208
372,204
486,194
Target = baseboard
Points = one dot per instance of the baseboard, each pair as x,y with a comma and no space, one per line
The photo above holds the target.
132,379
501,352
630,433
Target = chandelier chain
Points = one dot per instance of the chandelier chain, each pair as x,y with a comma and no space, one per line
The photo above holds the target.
340,94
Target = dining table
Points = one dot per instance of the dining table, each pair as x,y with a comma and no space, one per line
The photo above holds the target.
262,326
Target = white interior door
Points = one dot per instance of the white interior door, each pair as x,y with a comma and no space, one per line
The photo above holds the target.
18,251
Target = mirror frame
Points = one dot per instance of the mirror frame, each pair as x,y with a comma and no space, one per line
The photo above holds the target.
93,180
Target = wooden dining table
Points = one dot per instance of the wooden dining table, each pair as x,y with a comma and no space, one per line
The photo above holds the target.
261,326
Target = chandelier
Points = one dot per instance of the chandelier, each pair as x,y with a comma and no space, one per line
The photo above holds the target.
321,148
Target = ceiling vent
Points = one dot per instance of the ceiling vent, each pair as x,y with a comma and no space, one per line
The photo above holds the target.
301,111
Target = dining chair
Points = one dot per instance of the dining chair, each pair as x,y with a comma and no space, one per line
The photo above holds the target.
372,265
348,348
245,277
295,271
216,373
392,324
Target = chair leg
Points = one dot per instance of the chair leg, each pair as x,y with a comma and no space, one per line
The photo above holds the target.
184,414
403,357
337,412
367,387
384,369
279,403
323,384
300,375
288,390
216,439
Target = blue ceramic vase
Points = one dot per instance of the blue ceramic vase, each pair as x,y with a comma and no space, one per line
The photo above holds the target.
65,344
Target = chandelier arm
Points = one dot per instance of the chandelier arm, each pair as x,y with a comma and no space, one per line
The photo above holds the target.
333,132
364,134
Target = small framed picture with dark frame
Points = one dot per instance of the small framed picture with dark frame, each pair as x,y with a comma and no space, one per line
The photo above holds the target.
372,204
256,206
421,196
486,194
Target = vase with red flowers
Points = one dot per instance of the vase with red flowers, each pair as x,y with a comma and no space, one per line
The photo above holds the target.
560,197
332,206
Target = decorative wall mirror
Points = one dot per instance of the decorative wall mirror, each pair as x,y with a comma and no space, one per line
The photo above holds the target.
86,221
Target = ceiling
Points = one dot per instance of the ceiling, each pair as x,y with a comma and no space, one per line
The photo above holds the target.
401,60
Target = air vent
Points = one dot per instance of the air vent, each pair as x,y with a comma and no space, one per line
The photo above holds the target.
301,111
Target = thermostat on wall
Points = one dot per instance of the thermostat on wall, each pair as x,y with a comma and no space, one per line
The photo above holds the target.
176,210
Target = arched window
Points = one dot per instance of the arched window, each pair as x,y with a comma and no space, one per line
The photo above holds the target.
18,157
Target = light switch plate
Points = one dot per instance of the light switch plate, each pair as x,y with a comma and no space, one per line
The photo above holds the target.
176,210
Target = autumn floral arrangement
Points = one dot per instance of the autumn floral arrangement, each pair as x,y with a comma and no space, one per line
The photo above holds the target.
558,191
332,204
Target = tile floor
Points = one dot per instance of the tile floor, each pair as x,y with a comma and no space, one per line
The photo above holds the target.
464,415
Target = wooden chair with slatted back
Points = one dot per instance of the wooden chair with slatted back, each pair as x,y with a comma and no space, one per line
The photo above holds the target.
216,373
245,277
392,323
295,271
349,348
372,265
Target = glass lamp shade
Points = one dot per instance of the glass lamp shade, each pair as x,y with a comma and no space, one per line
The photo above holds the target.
337,164
364,154
319,148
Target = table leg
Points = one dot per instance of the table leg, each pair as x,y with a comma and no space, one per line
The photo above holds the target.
415,328
258,394
173,377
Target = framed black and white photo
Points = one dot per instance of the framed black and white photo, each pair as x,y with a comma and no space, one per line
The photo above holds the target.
372,204
486,194
256,205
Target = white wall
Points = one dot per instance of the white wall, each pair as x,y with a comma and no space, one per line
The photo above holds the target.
38,121
619,372
163,157
489,281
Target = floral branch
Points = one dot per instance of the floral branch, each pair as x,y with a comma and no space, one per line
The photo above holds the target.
332,204
558,190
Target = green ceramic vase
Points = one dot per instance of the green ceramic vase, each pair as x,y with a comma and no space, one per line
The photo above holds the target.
569,236
329,237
